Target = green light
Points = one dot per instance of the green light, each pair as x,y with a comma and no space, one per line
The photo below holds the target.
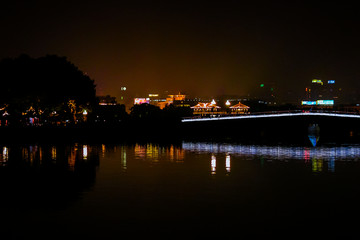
262,85
317,81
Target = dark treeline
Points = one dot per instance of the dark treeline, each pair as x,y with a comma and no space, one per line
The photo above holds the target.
51,91
46,89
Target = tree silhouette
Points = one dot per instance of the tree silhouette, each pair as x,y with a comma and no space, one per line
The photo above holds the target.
145,112
45,84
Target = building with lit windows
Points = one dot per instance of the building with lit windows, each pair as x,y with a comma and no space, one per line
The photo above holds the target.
107,100
178,100
321,94
239,109
206,109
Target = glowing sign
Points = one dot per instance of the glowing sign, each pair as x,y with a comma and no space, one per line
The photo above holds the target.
141,100
318,102
85,152
308,103
331,81
325,102
317,81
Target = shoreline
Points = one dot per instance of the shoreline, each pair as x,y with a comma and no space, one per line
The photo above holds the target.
257,132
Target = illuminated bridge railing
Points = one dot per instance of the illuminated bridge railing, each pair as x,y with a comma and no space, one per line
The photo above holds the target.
274,114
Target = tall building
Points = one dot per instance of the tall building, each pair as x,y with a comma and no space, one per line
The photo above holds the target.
320,90
321,93
107,100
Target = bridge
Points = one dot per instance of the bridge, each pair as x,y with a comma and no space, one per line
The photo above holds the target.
275,114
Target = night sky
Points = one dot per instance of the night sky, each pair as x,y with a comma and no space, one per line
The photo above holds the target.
196,47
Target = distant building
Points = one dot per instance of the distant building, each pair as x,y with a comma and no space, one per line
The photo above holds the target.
107,100
239,109
138,101
321,94
178,100
205,109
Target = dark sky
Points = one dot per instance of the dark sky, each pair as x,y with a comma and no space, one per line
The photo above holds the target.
196,47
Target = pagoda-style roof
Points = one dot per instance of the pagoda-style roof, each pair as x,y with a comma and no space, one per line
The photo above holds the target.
240,106
205,106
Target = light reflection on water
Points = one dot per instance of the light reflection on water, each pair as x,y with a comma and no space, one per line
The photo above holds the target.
316,156
34,155
166,186
155,153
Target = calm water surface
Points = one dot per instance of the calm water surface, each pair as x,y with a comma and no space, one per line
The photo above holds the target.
178,191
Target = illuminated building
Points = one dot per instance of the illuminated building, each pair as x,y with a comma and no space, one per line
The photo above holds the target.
239,109
320,90
141,100
177,97
323,94
158,101
178,100
206,109
316,90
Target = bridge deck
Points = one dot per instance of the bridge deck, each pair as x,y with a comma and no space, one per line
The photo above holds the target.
272,115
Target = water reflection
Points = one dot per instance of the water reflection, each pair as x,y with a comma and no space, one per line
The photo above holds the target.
123,158
314,134
250,186
276,152
228,163
53,153
213,164
317,165
36,155
41,172
155,153
316,156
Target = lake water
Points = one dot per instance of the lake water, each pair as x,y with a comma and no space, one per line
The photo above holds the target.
186,190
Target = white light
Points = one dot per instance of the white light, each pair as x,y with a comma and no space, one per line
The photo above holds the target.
227,163
85,152
274,115
5,153
213,164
